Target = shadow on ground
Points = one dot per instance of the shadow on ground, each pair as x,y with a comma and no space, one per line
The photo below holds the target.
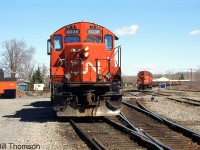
41,112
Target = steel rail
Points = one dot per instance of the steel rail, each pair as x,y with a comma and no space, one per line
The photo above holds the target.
190,134
93,143
190,99
156,117
123,117
183,101
134,133
185,90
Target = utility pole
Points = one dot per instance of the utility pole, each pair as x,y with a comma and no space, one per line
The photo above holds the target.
169,79
191,73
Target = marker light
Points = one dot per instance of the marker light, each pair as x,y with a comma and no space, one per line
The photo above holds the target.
68,75
100,77
108,75
86,48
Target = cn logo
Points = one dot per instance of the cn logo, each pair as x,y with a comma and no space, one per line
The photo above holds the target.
89,64
12,84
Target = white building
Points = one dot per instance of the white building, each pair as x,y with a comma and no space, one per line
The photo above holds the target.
162,79
38,87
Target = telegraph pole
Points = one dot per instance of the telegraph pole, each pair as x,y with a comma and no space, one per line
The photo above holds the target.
169,79
191,73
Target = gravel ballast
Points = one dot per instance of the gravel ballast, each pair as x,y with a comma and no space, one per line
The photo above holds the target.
31,122
180,113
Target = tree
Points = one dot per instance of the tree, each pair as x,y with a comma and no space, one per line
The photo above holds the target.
15,55
36,78
26,70
45,75
181,77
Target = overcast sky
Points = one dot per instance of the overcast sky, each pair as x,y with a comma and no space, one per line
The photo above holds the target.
155,35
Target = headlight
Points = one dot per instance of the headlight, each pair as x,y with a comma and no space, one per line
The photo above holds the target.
86,48
73,50
108,75
86,54
68,75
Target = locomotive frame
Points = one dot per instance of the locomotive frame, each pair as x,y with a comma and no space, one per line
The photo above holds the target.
85,76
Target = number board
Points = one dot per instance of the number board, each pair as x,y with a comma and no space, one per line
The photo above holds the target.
72,31
94,31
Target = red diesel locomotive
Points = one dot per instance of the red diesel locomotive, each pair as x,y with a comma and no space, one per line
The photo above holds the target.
85,71
144,80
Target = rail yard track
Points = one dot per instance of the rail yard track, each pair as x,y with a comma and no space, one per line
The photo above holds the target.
134,128
165,132
109,133
100,135
186,100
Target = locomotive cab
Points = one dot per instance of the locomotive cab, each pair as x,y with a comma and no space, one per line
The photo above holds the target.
85,76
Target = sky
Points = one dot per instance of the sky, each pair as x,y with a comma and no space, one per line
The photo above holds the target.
155,35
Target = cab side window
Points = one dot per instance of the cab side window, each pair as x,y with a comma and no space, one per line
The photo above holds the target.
57,42
108,41
48,47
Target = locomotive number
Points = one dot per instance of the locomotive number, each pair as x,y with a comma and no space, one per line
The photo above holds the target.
72,31
107,98
91,31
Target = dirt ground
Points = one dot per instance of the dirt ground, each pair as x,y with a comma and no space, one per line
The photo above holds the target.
30,121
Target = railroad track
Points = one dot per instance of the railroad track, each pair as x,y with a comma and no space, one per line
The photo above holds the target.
185,90
134,129
178,99
161,129
170,134
107,133
144,133
138,131
186,100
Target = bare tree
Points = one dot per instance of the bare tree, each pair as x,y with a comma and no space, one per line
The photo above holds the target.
44,70
26,70
45,75
197,74
15,55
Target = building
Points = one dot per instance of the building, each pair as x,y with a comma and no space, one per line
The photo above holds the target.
167,81
38,87
23,85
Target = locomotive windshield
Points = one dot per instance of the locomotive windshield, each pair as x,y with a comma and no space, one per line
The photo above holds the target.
92,38
72,39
